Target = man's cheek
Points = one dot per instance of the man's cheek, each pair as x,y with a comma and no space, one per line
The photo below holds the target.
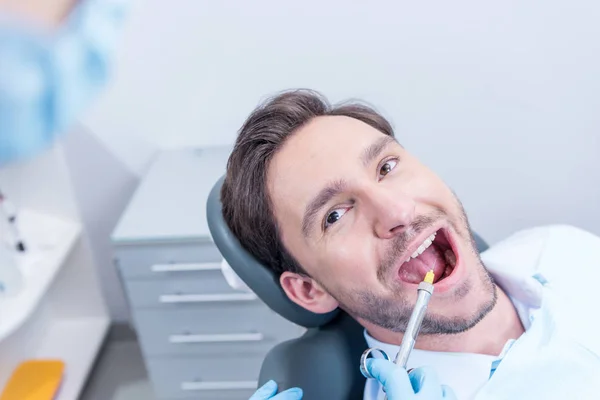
341,253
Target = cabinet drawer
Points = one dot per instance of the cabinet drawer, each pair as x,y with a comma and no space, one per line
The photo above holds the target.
213,329
150,261
188,288
222,377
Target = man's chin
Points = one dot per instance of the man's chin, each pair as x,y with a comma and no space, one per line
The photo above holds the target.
443,325
465,305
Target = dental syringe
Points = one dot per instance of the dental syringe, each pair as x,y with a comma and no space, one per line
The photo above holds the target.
424,292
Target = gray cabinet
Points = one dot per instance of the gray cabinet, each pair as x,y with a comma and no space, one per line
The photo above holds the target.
201,338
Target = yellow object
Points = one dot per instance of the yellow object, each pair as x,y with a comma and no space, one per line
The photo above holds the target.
428,278
34,380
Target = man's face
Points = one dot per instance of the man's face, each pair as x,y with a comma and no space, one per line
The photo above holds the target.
366,221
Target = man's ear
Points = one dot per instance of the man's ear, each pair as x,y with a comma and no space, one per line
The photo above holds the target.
307,293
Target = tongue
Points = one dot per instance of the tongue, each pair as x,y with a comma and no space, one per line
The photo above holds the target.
414,271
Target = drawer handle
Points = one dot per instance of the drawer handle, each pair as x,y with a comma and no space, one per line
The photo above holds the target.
226,337
185,267
217,385
206,298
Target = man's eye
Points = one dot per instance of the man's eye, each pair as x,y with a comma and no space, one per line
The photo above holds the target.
334,216
387,167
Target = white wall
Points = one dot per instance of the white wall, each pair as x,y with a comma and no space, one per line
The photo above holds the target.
501,98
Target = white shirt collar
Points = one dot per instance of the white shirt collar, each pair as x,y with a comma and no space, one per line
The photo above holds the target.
466,373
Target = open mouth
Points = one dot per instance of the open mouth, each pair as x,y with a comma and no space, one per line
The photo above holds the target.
435,253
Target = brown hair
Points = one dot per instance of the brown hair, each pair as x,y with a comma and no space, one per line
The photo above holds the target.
246,204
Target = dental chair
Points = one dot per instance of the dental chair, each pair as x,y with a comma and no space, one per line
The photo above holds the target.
324,361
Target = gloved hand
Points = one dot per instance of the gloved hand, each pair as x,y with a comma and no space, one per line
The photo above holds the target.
268,392
419,384
49,77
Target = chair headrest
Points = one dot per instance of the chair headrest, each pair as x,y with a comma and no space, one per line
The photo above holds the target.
260,279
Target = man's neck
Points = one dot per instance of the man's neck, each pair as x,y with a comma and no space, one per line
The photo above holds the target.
489,336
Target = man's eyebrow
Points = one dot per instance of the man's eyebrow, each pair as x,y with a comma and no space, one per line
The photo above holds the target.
321,199
373,151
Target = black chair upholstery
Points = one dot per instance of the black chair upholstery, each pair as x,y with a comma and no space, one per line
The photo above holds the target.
324,361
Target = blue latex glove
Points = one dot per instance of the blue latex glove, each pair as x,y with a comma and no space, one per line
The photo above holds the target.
268,392
48,78
420,384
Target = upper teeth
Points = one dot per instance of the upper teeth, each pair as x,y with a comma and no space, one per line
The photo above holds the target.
426,243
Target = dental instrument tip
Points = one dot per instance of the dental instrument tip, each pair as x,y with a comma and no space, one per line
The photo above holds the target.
429,277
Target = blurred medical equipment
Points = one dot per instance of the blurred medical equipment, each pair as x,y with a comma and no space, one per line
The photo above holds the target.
323,361
8,213
43,375
424,292
48,78
11,279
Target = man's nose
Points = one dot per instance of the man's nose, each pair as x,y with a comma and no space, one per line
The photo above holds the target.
393,212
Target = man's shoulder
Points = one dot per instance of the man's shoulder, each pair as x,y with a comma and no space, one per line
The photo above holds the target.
572,266
567,258
571,254
545,232
563,255
571,234
531,245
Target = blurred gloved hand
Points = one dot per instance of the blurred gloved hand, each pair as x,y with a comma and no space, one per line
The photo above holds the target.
268,392
419,384
48,78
